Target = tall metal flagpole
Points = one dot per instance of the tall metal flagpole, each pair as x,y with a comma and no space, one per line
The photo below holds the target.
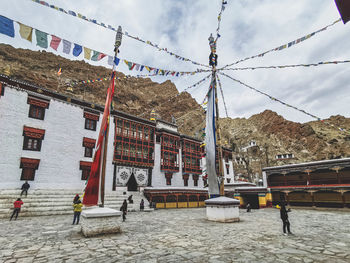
213,62
118,42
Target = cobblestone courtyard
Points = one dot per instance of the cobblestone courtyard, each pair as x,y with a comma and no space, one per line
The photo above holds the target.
182,235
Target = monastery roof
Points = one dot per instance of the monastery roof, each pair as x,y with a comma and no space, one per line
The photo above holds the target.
330,163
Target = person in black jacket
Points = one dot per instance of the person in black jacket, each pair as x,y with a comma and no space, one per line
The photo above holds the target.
284,216
25,188
124,209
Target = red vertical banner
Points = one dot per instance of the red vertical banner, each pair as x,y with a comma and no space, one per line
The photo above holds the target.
93,185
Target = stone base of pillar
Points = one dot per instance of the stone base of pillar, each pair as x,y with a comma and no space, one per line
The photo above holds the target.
100,220
222,209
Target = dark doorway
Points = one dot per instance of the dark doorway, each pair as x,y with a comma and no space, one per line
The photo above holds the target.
252,199
132,184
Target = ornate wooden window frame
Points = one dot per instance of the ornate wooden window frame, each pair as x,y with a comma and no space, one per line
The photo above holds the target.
32,136
85,168
29,166
37,107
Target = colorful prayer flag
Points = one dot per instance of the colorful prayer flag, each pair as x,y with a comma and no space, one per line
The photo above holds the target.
26,32
55,42
59,72
6,26
66,46
41,38
77,50
87,53
95,56
110,60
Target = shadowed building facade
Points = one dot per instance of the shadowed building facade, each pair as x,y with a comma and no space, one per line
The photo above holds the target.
314,184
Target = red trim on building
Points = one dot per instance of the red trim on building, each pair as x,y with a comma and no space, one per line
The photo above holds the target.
38,102
91,116
85,165
88,142
1,89
29,163
33,132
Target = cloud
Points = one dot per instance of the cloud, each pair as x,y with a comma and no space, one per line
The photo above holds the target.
247,28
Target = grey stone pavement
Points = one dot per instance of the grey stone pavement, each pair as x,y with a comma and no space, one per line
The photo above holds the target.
182,235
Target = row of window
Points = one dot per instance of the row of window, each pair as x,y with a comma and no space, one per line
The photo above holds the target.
195,177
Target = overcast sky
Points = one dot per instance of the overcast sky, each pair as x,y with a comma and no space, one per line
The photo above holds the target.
247,28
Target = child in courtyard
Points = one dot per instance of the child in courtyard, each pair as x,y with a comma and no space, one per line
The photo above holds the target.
77,211
16,208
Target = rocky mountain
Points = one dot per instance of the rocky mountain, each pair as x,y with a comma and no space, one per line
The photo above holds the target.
139,96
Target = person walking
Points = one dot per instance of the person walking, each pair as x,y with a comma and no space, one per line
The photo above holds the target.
284,216
77,211
25,188
124,209
16,208
142,205
248,207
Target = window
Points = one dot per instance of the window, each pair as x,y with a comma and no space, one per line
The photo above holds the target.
32,138
168,177
227,169
169,152
36,112
88,152
31,144
37,107
85,168
29,166
89,145
90,124
91,120
191,156
185,177
132,145
195,179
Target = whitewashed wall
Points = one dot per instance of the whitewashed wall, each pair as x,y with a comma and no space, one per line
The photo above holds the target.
61,150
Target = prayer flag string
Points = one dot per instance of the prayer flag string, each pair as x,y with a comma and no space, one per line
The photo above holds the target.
94,21
89,54
222,94
291,66
288,45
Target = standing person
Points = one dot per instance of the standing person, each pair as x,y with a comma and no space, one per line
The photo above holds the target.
124,209
16,208
25,188
77,210
248,207
142,205
284,216
76,199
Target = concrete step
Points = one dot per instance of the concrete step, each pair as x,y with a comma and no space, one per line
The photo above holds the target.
59,202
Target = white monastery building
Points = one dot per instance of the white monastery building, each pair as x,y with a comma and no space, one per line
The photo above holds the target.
49,139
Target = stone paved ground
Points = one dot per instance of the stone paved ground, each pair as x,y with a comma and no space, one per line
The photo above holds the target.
182,235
